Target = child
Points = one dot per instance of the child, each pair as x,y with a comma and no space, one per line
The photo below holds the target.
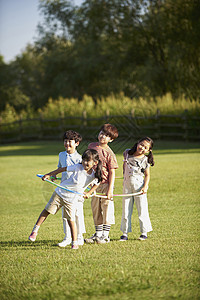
81,175
68,158
103,209
136,169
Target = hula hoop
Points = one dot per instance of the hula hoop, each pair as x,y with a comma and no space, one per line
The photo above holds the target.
62,187
116,195
93,195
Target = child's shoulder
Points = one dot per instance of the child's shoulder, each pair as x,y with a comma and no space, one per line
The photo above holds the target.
125,152
92,145
62,153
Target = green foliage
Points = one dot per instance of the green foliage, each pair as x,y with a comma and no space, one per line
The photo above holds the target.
143,49
166,266
111,105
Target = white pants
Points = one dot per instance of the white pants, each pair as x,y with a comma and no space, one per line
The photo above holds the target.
132,186
80,223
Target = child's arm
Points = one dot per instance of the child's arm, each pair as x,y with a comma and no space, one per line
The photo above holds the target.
146,180
111,183
54,173
91,191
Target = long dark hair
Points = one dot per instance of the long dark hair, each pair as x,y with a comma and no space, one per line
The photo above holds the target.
91,154
150,155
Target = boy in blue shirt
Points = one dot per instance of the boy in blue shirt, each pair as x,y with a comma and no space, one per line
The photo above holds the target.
67,158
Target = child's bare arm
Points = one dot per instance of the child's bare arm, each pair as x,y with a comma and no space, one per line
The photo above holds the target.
111,183
146,180
91,191
54,173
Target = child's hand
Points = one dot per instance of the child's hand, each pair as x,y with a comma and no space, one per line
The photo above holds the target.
86,196
110,195
46,176
144,190
53,178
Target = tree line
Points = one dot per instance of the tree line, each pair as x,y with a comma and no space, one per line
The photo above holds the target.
140,48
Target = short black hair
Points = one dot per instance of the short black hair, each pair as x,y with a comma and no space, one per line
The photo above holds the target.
72,135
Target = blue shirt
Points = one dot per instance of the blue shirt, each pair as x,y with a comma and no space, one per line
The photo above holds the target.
66,159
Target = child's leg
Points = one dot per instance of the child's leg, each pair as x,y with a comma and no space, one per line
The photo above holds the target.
67,239
80,224
52,207
72,225
44,214
98,220
69,212
73,229
108,219
143,214
127,210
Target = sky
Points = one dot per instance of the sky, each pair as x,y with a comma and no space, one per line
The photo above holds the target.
18,25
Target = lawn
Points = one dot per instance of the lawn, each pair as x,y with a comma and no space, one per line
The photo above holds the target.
166,266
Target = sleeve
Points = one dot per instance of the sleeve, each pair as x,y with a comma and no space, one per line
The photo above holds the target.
146,164
95,181
113,162
59,162
125,154
91,145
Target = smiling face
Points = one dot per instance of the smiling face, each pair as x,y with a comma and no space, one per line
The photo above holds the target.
88,165
70,146
143,148
103,138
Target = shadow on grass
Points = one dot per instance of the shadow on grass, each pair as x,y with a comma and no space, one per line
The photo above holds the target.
28,244
118,240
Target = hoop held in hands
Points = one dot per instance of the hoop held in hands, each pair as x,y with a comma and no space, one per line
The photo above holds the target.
96,195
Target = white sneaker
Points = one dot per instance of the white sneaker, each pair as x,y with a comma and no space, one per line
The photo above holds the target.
80,240
65,242
103,240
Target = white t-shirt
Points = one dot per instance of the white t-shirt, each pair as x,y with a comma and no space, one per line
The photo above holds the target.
78,181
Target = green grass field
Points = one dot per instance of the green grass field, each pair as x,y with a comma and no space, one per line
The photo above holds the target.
166,266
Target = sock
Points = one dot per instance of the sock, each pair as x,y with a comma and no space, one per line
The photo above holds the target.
106,229
36,228
125,234
99,230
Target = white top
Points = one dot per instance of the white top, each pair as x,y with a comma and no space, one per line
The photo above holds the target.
78,181
66,159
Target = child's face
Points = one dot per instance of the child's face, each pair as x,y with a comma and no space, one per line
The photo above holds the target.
104,138
88,165
70,145
143,147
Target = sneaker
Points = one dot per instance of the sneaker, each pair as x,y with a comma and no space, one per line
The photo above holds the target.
103,240
65,242
32,237
91,240
74,247
123,238
142,237
80,240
